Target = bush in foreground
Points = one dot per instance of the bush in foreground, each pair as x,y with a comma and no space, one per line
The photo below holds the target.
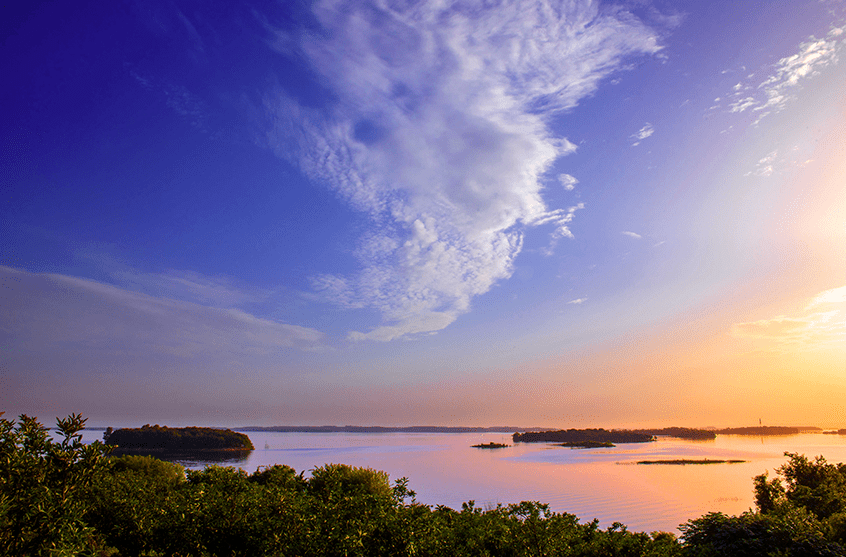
66,498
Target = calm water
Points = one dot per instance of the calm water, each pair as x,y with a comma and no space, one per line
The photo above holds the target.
605,483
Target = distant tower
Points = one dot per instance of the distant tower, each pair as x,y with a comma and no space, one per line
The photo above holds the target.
759,421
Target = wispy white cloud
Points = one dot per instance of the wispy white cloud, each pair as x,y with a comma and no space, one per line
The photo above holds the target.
439,132
821,325
569,182
53,312
179,99
786,76
632,234
765,165
833,296
187,286
646,131
578,301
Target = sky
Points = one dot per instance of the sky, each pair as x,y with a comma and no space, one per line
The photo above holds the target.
510,212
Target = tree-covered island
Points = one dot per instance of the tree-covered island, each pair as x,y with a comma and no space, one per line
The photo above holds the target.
490,445
162,439
680,433
583,436
686,461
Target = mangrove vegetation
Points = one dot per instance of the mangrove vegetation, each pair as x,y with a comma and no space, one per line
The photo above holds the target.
174,440
583,436
685,461
66,498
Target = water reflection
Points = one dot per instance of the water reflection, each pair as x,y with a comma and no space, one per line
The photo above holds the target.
196,459
604,483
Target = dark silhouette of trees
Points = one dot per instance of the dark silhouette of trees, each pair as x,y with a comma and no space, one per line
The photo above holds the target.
178,439
582,436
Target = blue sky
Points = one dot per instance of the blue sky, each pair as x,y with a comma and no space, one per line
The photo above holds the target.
525,212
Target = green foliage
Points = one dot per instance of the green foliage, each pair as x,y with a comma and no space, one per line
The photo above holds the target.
341,480
66,498
138,504
43,488
800,512
769,494
147,466
813,487
794,533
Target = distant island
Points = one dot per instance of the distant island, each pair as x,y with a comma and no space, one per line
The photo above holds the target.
762,430
491,445
385,429
680,432
161,439
583,436
685,461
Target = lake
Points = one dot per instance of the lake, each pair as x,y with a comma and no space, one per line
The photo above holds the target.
604,483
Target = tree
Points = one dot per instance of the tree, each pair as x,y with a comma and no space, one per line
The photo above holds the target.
43,487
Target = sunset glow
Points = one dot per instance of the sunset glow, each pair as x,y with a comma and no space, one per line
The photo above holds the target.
525,213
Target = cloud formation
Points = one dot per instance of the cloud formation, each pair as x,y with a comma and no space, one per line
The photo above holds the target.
569,182
764,167
822,325
644,132
52,313
785,76
634,235
439,133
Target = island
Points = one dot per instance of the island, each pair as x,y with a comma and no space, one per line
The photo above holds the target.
680,433
685,461
491,445
387,429
583,436
759,430
156,439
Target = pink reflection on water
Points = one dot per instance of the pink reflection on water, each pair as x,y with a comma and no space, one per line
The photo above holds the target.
591,483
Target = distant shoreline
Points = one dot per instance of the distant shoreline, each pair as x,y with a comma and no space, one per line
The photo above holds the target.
386,429
662,432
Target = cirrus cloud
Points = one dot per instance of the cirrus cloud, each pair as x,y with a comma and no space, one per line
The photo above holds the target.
61,314
439,132
646,131
787,75
823,324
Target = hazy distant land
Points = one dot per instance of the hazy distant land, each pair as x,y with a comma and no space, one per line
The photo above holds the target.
387,429
767,430
539,434
686,461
